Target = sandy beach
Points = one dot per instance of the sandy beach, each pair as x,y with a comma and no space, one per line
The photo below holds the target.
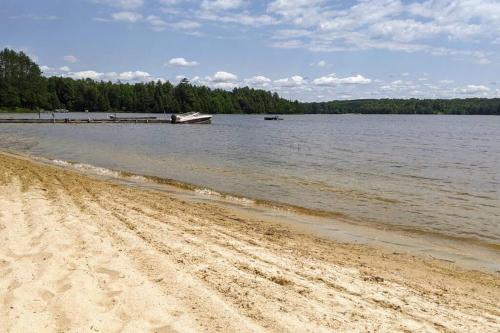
78,254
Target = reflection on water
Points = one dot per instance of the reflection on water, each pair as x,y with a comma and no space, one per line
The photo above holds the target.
438,174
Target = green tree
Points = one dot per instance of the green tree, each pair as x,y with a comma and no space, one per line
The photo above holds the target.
185,95
21,81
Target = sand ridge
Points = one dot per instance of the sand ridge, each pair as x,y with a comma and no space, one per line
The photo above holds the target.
79,254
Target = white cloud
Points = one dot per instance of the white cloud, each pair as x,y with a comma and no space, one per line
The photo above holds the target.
294,81
129,76
214,5
222,77
393,25
125,4
90,74
186,25
320,63
50,71
229,11
401,86
134,76
156,22
179,78
409,30
299,12
472,89
291,33
220,80
130,17
226,85
387,88
70,58
170,2
333,80
182,62
250,20
239,18
171,11
258,80
289,44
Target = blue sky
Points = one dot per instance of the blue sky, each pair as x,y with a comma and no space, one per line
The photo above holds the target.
302,49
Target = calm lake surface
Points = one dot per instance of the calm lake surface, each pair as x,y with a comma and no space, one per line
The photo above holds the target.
430,174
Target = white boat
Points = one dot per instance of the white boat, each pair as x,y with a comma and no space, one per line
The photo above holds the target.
191,118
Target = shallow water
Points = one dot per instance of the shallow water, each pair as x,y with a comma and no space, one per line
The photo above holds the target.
429,174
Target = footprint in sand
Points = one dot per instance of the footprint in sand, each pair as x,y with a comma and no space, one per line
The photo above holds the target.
36,240
5,272
109,302
9,253
42,256
163,329
46,295
40,259
63,288
113,275
4,264
9,296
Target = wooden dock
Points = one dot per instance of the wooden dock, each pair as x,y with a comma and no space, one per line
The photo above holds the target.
84,121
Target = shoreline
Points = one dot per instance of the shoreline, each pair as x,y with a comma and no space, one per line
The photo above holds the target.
24,110
480,255
81,253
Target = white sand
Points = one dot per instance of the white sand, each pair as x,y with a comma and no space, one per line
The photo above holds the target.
82,255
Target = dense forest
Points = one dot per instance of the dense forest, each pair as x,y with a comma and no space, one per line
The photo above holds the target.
22,86
484,106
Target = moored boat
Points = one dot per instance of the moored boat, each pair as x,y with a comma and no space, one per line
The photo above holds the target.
191,118
273,118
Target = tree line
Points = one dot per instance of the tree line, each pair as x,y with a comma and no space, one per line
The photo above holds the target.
471,106
22,85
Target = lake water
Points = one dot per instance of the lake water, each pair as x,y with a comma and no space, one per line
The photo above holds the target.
428,174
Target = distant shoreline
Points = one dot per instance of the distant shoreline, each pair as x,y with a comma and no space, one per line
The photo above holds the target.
17,110
28,111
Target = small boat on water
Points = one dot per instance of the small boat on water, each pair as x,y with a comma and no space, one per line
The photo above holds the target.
191,118
273,118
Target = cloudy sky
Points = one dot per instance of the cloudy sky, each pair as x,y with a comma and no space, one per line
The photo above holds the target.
302,49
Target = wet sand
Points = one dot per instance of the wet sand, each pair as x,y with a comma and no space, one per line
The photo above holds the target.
79,254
